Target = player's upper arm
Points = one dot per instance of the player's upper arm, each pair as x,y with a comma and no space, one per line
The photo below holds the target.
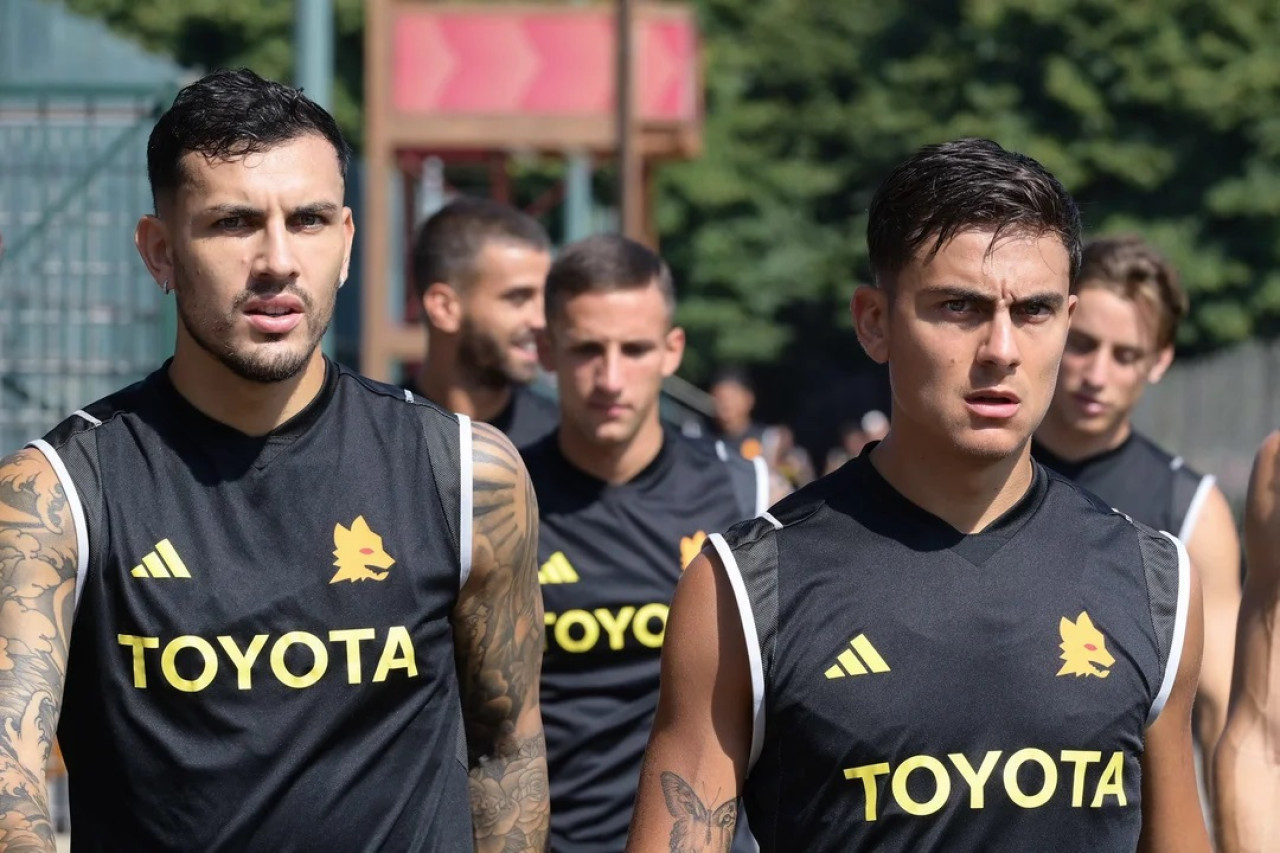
1171,814
701,740
38,559
1214,548
498,624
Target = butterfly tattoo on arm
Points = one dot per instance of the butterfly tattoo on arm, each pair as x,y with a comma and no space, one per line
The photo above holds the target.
697,829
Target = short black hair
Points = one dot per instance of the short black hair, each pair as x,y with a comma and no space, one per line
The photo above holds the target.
231,113
967,184
733,374
448,244
603,264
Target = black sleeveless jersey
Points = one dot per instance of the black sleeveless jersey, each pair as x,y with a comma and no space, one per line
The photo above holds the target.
610,558
527,418
1141,480
262,654
920,689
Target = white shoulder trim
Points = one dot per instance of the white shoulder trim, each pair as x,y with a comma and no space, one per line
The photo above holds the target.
752,639
1193,509
408,396
1179,631
768,516
466,468
77,510
762,484
81,413
721,451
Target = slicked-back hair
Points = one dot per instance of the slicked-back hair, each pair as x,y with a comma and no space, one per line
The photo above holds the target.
607,263
229,114
966,185
449,243
1130,268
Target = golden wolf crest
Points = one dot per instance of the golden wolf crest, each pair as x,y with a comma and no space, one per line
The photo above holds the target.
1083,646
690,546
359,553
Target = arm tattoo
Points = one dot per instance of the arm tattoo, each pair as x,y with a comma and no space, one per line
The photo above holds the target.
498,643
37,582
698,829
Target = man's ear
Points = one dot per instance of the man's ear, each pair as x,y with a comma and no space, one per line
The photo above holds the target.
869,309
349,232
673,352
442,307
1157,370
151,237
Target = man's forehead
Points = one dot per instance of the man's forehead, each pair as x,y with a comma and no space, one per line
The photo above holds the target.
308,165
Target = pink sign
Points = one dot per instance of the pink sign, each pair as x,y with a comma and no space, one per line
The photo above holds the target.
458,61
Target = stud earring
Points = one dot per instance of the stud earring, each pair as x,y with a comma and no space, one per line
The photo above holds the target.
165,287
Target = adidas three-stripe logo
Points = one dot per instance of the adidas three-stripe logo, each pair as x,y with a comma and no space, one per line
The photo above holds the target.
163,562
860,658
557,569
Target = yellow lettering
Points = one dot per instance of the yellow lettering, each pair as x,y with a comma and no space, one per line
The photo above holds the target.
868,774
243,661
139,666
170,671
1112,782
318,666
398,641
352,637
640,627
977,779
940,793
590,631
1081,758
1021,757
615,627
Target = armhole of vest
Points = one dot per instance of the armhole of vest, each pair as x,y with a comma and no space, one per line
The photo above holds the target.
1193,509
1179,630
77,513
762,485
466,488
752,640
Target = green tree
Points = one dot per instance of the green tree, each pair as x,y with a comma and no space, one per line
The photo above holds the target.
1160,117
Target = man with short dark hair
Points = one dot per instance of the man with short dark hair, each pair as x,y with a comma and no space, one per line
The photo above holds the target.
625,502
941,646
304,603
1121,340
480,268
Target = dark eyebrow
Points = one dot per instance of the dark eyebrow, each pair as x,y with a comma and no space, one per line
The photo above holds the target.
951,291
316,208
1049,298
243,210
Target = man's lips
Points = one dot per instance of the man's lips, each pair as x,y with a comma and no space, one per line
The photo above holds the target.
274,315
1089,404
993,403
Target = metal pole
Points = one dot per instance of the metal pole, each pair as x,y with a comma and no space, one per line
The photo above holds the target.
313,71
630,176
577,191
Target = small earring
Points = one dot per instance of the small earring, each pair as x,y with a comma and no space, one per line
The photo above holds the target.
165,287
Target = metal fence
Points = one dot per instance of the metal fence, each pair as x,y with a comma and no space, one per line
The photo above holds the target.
79,316
1215,411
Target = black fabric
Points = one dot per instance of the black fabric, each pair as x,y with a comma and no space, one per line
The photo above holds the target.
905,651
1160,561
528,418
1138,478
611,556
322,741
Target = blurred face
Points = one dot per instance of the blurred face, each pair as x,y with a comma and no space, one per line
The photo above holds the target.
610,352
973,339
1111,356
733,403
255,249
502,315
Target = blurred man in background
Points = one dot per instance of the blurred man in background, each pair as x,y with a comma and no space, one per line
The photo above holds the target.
1121,340
735,399
625,502
1247,768
480,268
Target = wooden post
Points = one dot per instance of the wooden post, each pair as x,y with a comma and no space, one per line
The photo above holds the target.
375,229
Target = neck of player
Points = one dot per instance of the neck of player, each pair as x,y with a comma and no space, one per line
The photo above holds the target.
253,408
968,492
1065,442
614,463
450,389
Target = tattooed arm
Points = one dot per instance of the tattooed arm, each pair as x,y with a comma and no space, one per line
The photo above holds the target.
37,582
698,749
498,631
